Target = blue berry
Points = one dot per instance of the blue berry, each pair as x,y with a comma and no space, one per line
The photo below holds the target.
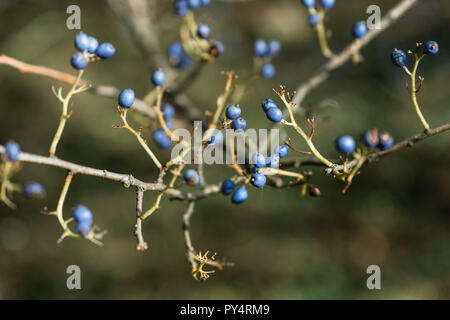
169,124
82,214
158,77
268,70
268,103
274,48
191,177
81,41
386,141
309,3
399,58
313,19
126,98
12,151
175,50
274,114
260,48
181,8
327,4
233,111
203,31
239,196
227,187
105,50
282,150
217,49
184,62
162,139
216,138
238,124
431,48
370,138
79,61
205,2
83,229
33,190
194,4
93,44
359,29
345,144
168,111
259,160
273,161
258,180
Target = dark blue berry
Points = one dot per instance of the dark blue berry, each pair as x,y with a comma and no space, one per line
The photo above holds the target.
217,49
93,44
81,41
227,187
313,19
181,8
84,228
238,124
268,103
309,3
175,50
233,111
259,160
345,144
274,48
191,177
194,4
12,151
386,141
273,161
239,196
431,48
161,138
399,58
370,138
79,61
203,31
268,70
184,62
260,48
205,2
282,150
168,111
258,180
158,77
126,98
82,214
274,114
327,4
105,50
359,29
33,190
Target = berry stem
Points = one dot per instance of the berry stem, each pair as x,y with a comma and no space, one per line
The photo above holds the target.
414,93
65,114
321,34
6,172
59,210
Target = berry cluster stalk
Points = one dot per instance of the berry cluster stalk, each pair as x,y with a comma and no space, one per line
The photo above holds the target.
414,92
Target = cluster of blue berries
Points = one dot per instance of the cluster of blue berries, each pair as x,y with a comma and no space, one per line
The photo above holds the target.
233,113
267,51
314,18
160,136
400,59
89,49
177,56
182,7
272,111
83,217
371,139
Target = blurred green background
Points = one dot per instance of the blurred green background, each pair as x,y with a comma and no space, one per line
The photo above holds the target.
396,214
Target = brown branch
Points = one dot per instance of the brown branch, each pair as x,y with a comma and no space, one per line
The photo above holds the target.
142,245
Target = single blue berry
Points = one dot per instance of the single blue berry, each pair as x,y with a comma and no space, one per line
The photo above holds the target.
126,98
267,104
216,137
184,62
162,139
282,150
205,2
203,31
239,196
169,124
233,111
84,228
268,70
168,111
105,50
258,180
33,190
82,214
79,61
274,114
158,77
309,3
191,177
93,44
194,4
227,187
259,160
399,58
386,141
345,144
175,50
12,151
181,8
370,138
217,49
431,48
326,4
273,161
260,48
81,41
359,29
313,19
238,124
274,48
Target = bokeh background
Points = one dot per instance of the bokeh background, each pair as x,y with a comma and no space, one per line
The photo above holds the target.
396,214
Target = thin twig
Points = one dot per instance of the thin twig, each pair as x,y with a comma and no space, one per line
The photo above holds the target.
142,245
